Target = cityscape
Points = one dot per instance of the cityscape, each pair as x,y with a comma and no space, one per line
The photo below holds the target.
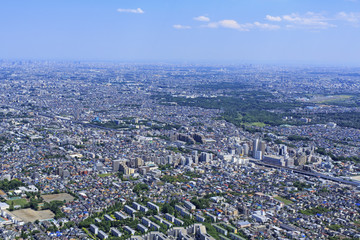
191,120
154,151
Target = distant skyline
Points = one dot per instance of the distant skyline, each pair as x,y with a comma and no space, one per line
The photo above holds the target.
183,31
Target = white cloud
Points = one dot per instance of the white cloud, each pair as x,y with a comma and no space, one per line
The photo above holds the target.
266,26
179,26
309,20
229,23
273,18
232,24
211,25
202,19
351,17
127,10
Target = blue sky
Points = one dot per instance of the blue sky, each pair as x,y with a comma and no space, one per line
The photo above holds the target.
204,31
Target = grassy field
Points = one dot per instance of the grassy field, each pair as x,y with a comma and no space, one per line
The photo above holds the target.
255,124
284,200
21,202
105,174
330,99
58,197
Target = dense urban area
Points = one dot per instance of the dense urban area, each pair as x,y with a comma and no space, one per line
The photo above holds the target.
153,152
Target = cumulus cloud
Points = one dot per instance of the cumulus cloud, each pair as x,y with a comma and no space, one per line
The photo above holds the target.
229,23
129,10
309,20
202,19
179,26
273,18
232,24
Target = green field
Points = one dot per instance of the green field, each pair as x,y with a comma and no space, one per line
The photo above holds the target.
284,200
21,202
330,99
105,174
255,124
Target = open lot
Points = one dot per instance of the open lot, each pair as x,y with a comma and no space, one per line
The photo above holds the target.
284,200
30,215
58,197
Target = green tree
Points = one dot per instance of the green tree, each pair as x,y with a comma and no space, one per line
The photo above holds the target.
167,208
140,187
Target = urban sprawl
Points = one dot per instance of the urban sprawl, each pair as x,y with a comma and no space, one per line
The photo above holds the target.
178,152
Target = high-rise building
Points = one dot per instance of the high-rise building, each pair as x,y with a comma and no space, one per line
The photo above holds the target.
138,162
189,161
246,149
115,165
205,157
258,155
170,159
255,146
60,171
289,162
66,174
283,150
262,147
195,157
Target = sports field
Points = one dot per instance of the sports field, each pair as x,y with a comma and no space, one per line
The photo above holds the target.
58,197
30,215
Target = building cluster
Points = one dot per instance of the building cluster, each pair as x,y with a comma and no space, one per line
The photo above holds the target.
102,134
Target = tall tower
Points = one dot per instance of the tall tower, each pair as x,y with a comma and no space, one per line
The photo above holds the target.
255,146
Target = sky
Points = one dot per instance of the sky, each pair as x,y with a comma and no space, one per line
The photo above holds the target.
182,31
